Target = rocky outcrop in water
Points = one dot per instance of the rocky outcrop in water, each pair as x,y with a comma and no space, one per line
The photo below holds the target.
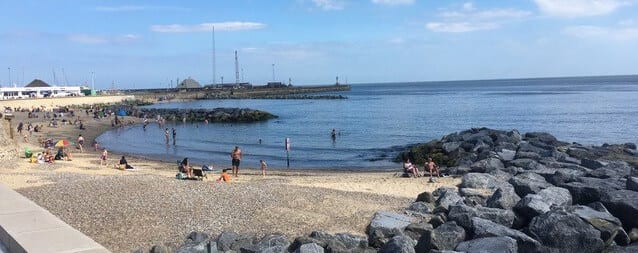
215,115
519,193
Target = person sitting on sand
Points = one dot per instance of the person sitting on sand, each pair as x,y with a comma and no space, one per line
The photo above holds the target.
185,167
125,164
48,157
224,176
409,168
432,167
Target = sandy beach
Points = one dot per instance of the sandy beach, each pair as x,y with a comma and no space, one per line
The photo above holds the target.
127,210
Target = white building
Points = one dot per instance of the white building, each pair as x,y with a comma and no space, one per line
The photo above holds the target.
39,89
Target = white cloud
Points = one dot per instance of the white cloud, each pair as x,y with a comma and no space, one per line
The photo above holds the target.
397,40
205,27
102,39
578,8
459,27
468,18
393,2
131,8
622,33
329,5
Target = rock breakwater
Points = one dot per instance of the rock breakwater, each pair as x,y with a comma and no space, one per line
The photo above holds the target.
519,193
243,115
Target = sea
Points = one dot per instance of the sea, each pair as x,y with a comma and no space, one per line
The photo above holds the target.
378,120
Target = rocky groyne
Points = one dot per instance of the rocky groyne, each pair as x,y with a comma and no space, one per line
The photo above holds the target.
519,193
229,115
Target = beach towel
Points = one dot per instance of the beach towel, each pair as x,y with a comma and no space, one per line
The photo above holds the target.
207,168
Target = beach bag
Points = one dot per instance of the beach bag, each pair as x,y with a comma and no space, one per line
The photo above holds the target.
181,175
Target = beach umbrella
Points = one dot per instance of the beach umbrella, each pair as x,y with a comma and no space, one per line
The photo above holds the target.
62,143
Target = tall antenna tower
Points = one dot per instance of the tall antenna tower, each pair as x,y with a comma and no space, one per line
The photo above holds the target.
236,69
214,74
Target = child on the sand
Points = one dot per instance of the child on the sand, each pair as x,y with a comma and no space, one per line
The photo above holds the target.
264,166
224,177
103,157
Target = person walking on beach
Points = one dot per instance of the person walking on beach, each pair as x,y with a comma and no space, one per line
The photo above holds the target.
174,135
20,126
81,143
264,166
103,157
166,135
236,156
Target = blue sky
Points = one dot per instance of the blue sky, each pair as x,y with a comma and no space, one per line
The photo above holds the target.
143,44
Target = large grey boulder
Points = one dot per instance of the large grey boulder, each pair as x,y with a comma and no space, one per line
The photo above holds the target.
450,147
526,183
398,244
444,237
448,198
487,165
592,164
536,204
612,169
608,225
565,232
226,239
425,197
421,207
310,248
587,190
506,154
416,230
526,164
562,176
632,183
633,248
480,181
624,205
463,215
341,242
486,228
504,198
385,225
501,244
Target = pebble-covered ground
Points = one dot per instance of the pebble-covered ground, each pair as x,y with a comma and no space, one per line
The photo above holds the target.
138,211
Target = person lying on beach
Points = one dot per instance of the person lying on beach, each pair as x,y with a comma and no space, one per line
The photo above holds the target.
224,177
124,163
185,167
409,168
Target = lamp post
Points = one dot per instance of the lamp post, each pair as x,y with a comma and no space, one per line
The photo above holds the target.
9,76
273,72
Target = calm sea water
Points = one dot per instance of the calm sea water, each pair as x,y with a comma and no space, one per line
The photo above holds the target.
377,119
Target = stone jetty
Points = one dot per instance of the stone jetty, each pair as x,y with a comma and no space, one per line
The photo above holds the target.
519,193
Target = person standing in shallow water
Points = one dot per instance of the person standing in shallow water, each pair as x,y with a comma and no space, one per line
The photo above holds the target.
174,135
236,156
166,135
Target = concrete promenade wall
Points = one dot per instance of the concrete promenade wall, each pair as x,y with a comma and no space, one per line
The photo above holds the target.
64,101
27,227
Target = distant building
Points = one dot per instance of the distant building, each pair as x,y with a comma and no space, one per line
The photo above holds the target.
37,83
276,85
188,83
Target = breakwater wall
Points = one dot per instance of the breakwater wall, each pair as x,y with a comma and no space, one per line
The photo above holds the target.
242,93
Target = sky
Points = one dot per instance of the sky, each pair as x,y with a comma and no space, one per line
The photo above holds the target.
151,44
